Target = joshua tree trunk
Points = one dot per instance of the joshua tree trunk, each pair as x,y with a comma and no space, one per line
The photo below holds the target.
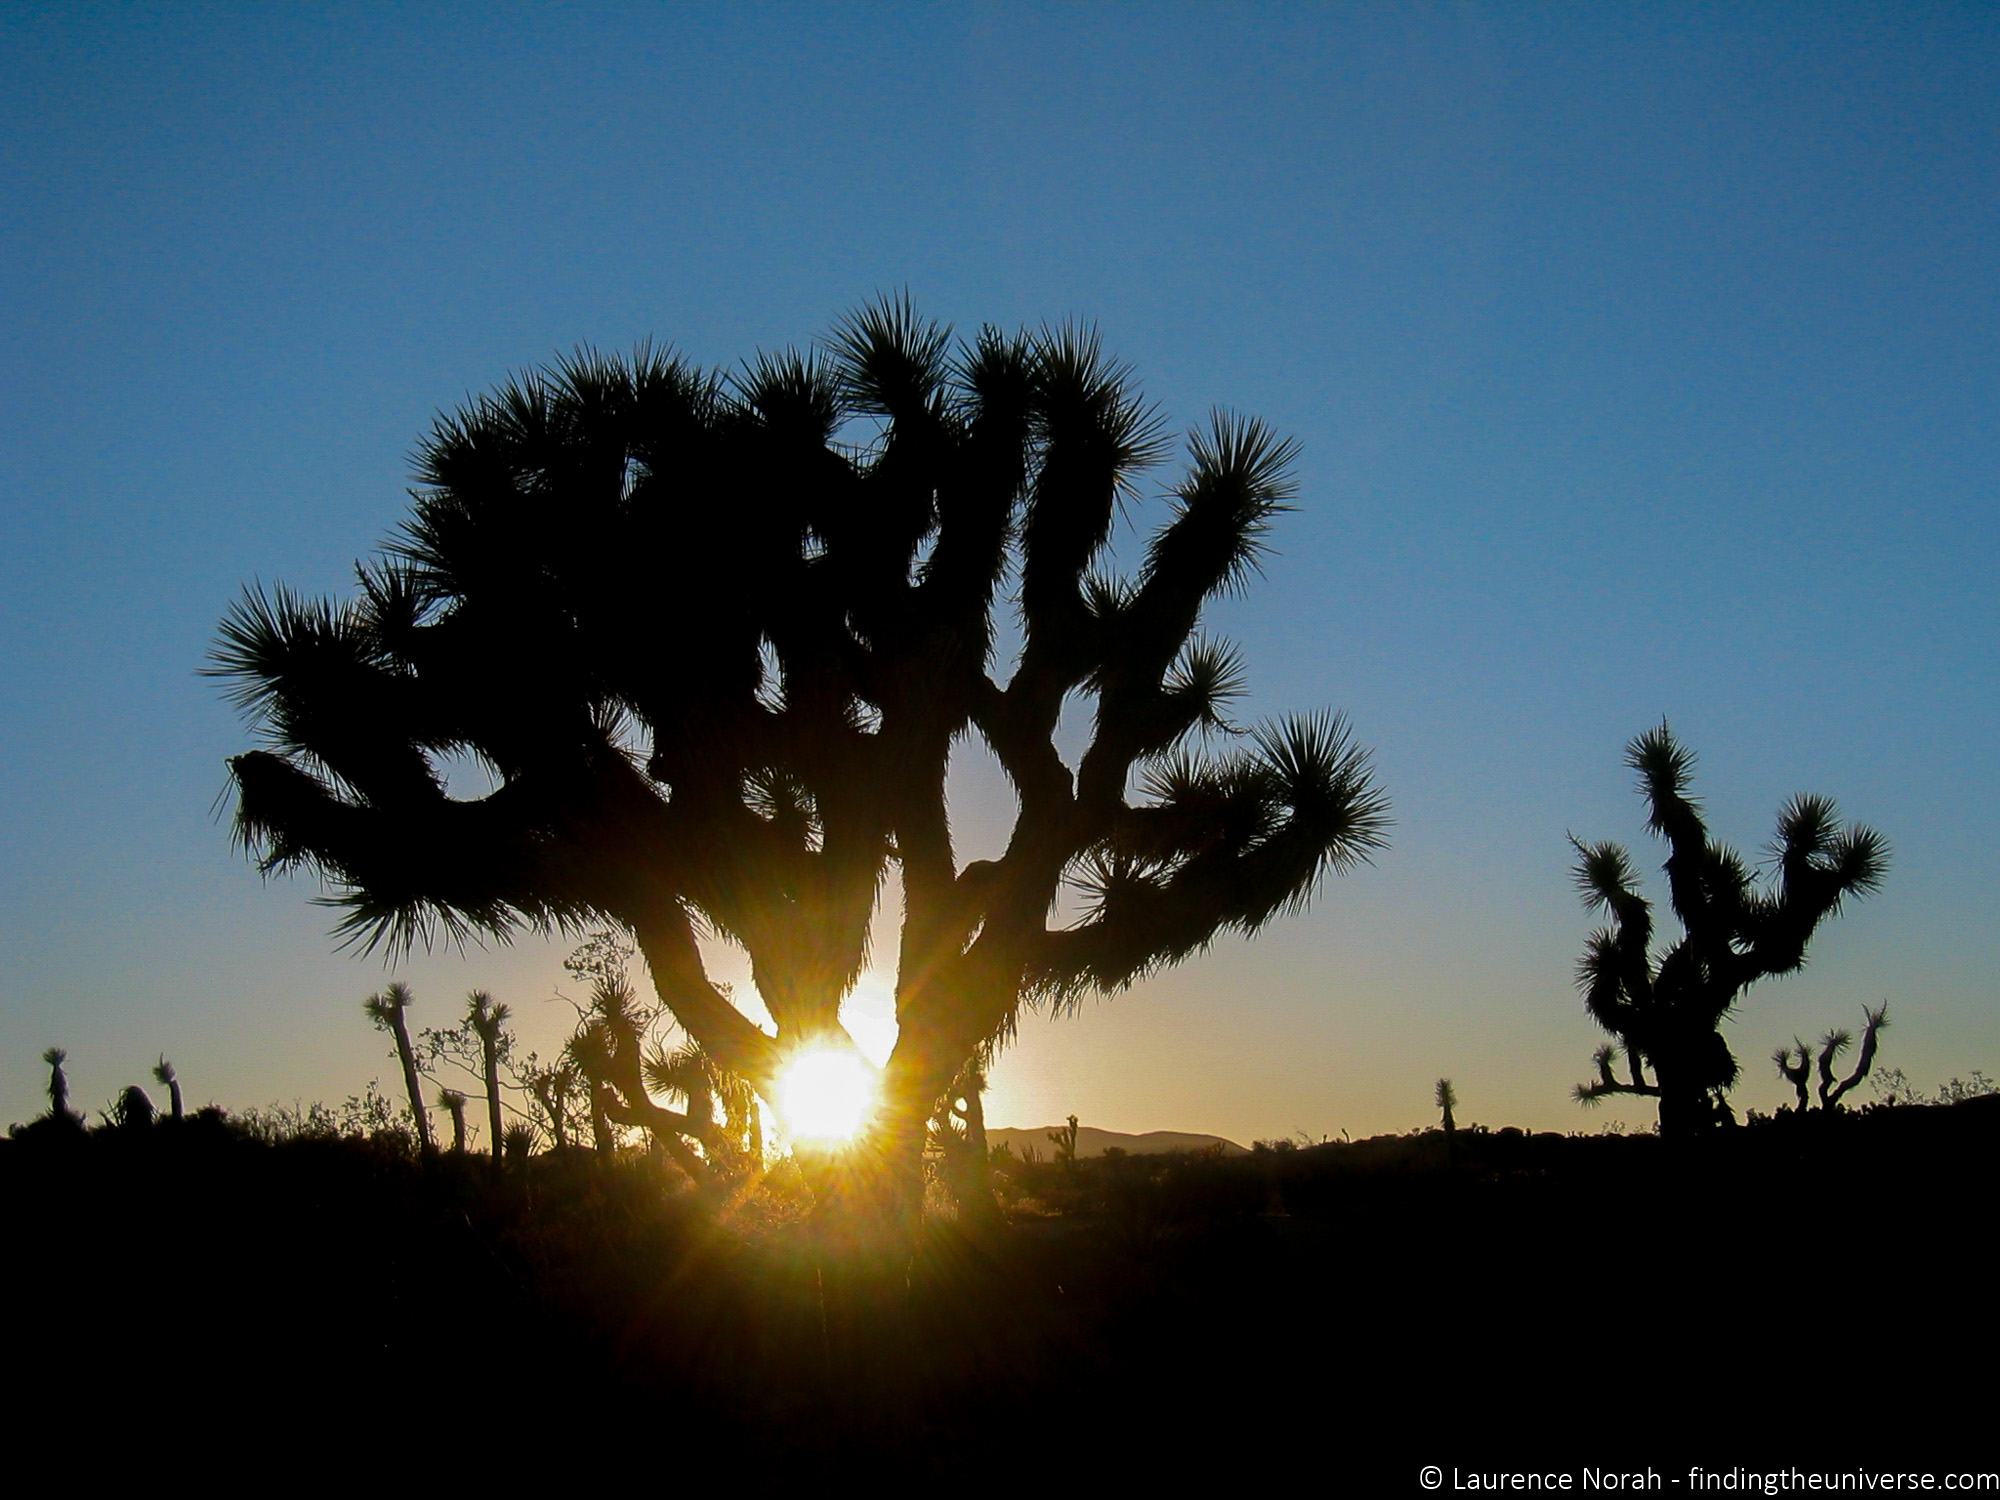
869,1195
407,1055
600,1120
493,1094
870,1199
554,1107
967,1160
1684,1112
979,1158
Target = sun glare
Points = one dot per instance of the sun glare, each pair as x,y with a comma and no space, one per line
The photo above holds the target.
826,1095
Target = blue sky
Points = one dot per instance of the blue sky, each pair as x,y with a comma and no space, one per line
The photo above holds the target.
1642,359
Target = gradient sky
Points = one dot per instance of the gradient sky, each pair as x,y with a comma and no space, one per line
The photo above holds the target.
1643,359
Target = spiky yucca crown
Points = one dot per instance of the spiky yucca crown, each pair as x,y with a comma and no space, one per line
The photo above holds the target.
486,1017
387,1008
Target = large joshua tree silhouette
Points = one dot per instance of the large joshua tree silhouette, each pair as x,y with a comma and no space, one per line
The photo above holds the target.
1666,1013
713,639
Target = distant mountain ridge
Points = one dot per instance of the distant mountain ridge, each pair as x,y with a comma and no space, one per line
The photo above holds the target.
1090,1141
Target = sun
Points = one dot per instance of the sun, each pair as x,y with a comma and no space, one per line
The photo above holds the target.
827,1097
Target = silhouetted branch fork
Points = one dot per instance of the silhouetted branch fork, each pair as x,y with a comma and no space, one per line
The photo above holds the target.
1798,1073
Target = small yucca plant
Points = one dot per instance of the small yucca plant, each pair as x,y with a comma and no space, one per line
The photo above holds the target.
132,1110
1447,1100
59,1109
518,1144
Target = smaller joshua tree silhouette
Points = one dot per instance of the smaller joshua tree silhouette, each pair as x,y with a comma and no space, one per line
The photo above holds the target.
59,1109
1797,1071
452,1102
1665,1012
691,1074
555,1088
1447,1100
1064,1141
609,1048
488,1021
387,1010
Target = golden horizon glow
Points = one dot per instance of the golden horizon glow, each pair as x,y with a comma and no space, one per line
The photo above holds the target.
826,1097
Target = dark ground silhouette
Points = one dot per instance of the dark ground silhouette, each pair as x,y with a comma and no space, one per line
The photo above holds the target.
1794,1290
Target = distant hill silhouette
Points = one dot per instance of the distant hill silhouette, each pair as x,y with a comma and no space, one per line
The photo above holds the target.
1090,1141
